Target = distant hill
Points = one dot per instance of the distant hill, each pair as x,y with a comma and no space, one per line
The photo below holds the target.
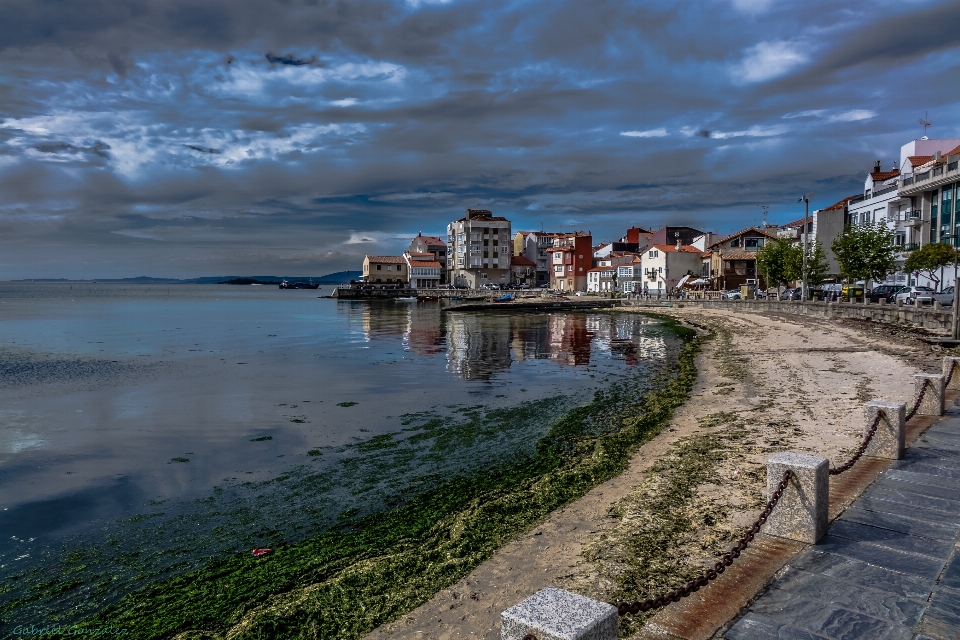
330,278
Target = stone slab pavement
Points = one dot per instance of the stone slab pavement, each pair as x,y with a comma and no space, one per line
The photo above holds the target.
889,566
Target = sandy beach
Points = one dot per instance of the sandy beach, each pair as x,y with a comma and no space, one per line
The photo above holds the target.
766,384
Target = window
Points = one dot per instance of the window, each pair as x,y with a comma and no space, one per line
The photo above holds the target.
753,243
378,267
735,242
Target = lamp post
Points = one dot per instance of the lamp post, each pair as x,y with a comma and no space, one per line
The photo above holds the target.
805,199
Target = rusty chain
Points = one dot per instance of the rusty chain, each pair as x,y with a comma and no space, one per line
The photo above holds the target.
623,608
863,446
529,636
916,405
953,367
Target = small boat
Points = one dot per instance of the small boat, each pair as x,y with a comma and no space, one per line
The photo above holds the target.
260,551
405,298
505,298
427,298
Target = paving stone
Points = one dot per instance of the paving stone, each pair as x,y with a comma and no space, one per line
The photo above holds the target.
923,566
923,478
951,577
885,606
895,493
923,466
934,446
921,489
824,618
917,510
891,539
757,627
900,523
942,618
863,575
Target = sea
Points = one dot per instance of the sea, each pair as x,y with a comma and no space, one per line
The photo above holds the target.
147,430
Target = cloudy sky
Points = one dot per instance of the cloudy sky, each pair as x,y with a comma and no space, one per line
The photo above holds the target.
181,138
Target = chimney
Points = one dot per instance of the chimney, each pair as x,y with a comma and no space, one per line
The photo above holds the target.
678,241
876,169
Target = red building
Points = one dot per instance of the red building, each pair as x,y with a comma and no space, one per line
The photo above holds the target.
571,256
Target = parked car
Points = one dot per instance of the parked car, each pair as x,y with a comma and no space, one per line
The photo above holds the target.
791,294
886,292
831,292
945,297
733,294
915,295
490,286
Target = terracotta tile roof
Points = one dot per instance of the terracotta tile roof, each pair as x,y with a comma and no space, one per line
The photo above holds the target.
482,215
610,269
880,176
672,248
796,223
522,261
842,204
953,151
916,161
423,264
387,259
431,240
747,230
424,255
706,254
621,254
741,255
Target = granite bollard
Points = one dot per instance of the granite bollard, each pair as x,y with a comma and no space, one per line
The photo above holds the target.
949,362
889,440
801,513
555,614
932,404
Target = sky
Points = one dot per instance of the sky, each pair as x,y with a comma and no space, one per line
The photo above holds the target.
180,138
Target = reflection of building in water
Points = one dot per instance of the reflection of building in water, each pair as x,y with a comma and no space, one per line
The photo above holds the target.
384,319
530,337
424,333
570,339
478,345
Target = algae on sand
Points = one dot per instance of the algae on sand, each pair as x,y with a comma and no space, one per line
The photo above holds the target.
345,582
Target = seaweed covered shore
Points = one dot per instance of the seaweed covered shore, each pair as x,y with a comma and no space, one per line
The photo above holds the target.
345,582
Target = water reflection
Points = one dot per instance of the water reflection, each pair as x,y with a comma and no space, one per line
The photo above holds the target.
479,345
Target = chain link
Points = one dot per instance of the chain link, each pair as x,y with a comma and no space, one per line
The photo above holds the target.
529,636
623,608
863,446
916,405
953,367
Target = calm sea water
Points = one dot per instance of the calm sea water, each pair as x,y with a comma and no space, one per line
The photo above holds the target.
145,430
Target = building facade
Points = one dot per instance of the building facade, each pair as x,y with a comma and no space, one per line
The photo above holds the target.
479,250
571,258
424,271
664,265
384,270
432,245
533,246
523,271
733,260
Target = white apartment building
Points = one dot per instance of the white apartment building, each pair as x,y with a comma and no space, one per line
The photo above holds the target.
664,265
479,250
424,270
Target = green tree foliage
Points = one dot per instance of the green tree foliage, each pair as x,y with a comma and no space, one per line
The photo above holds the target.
773,261
929,259
865,252
817,265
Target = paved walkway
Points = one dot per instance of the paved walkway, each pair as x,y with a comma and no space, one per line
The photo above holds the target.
888,569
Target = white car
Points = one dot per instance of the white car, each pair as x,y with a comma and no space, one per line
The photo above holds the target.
733,294
916,295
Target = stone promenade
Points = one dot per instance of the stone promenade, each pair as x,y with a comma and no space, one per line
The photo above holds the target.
889,568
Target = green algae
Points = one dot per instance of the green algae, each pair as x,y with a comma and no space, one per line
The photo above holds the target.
366,572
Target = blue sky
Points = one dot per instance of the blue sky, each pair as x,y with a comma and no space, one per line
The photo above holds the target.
180,138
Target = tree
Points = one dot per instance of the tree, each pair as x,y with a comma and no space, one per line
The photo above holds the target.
929,259
865,252
773,261
817,265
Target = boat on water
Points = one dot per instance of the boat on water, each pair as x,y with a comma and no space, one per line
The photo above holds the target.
427,298
505,298
406,298
298,285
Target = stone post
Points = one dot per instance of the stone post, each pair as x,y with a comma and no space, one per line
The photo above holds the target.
882,301
801,513
889,440
949,363
932,404
937,306
555,614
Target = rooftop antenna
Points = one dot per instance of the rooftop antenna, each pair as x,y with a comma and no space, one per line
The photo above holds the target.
765,209
925,121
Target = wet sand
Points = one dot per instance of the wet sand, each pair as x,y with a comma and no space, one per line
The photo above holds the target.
766,384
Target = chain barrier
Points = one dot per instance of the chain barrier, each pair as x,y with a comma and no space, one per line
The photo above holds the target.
529,636
953,367
623,608
916,405
863,446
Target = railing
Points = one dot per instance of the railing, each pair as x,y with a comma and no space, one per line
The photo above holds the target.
922,176
907,181
952,166
912,246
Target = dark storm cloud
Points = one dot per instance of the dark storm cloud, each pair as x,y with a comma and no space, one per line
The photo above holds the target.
596,115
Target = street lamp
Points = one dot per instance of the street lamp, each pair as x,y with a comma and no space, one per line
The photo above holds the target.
805,199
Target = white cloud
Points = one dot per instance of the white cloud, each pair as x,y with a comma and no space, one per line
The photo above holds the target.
812,113
649,133
756,131
752,6
853,115
767,60
372,237
134,233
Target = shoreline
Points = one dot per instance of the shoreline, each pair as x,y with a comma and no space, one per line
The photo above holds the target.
596,545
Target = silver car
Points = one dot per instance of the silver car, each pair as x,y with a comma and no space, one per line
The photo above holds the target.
945,297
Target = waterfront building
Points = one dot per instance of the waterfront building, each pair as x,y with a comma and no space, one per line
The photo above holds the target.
479,250
385,270
630,276
733,259
635,241
601,279
664,265
533,246
523,271
424,270
670,235
572,257
435,246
